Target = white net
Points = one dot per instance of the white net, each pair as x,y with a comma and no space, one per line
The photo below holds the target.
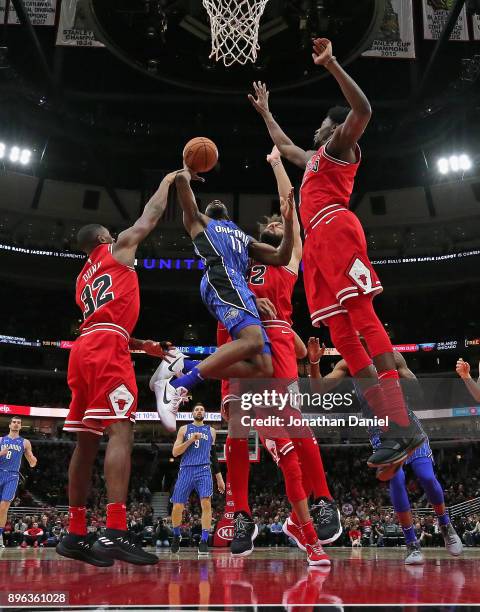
235,25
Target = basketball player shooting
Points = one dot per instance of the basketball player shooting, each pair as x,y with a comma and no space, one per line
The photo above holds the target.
340,281
12,449
102,381
225,250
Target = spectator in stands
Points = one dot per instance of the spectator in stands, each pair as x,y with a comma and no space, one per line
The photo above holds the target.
355,535
8,532
32,536
162,534
472,531
20,528
276,532
425,533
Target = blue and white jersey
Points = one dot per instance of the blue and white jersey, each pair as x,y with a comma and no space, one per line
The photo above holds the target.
12,460
197,453
224,244
374,433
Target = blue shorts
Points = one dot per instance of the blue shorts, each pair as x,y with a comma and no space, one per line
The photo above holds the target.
231,302
8,485
196,477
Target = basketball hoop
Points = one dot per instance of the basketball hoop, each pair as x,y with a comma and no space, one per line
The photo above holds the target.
235,25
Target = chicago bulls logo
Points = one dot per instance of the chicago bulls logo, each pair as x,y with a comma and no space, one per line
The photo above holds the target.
361,275
121,400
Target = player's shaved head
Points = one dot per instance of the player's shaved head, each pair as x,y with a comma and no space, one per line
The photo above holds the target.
90,236
338,114
217,210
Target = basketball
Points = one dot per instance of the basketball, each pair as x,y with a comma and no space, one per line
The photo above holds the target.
200,154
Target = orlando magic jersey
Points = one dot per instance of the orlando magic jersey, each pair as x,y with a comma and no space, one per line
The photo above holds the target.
12,460
197,453
374,433
223,248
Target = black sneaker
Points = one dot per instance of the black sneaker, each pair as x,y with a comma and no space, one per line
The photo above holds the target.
326,517
397,444
176,544
203,547
116,544
80,548
244,533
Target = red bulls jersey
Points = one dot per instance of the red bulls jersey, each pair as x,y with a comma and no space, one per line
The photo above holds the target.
107,292
326,187
275,283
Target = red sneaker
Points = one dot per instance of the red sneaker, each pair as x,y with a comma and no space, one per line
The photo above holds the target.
316,555
294,531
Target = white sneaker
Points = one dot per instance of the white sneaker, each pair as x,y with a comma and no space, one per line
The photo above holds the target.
168,368
415,555
168,401
453,543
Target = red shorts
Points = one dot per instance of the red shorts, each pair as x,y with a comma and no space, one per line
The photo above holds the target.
336,266
282,342
102,381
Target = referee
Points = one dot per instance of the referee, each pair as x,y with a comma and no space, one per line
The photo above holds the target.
196,443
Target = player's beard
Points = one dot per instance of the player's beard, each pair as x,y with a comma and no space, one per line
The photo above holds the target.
271,239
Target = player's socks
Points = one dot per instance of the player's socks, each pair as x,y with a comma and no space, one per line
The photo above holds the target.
410,535
394,399
117,516
77,523
443,519
1,531
189,364
205,534
238,467
312,466
309,533
188,381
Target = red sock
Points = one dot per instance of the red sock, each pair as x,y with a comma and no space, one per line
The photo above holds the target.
294,518
309,532
238,466
312,467
117,516
77,523
394,399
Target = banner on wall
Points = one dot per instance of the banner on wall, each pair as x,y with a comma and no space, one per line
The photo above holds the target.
435,16
41,12
72,27
395,38
476,27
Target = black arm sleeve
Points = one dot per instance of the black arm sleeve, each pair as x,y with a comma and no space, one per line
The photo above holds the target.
214,460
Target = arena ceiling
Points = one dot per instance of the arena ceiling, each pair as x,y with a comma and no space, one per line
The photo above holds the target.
108,115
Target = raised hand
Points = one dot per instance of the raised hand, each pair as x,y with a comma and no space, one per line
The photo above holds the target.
314,351
260,103
274,156
287,206
192,176
322,51
463,368
265,308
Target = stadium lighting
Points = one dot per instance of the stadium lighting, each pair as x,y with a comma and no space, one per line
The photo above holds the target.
454,163
14,154
25,156
2,150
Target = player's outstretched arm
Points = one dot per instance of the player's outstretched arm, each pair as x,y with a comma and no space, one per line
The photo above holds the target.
284,187
285,145
125,247
193,220
300,348
281,256
320,383
345,138
29,456
463,370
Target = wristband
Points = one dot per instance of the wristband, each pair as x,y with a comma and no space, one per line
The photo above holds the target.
314,362
332,59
